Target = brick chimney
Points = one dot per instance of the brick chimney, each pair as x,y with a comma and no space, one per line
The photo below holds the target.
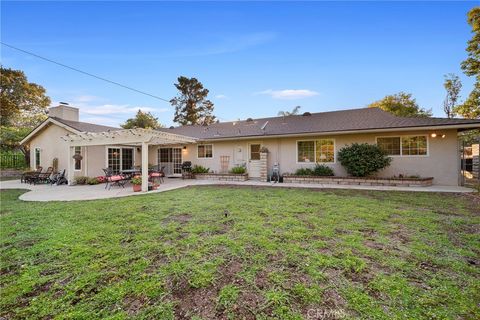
64,111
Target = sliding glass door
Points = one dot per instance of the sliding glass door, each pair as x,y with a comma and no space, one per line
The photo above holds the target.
171,159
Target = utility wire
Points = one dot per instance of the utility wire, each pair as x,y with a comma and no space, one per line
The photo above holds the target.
84,72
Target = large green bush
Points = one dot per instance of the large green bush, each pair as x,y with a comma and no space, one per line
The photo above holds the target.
361,160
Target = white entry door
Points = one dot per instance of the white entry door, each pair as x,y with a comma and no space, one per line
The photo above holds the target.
254,160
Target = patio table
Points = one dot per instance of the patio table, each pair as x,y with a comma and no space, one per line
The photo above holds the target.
129,173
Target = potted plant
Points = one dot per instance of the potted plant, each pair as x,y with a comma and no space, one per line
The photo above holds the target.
137,184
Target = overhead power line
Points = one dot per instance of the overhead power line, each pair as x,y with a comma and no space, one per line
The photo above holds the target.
85,73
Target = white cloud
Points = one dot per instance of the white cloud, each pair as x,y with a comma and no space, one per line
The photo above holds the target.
221,96
290,94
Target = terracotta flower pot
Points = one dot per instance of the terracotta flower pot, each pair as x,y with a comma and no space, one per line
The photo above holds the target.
137,187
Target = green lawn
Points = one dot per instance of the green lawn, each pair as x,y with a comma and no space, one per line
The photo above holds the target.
279,253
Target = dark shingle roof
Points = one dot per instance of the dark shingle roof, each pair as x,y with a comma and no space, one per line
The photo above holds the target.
84,126
334,121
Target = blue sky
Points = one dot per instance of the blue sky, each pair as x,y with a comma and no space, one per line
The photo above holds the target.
256,58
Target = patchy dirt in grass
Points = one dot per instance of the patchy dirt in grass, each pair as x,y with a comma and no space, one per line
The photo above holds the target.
202,302
133,304
181,218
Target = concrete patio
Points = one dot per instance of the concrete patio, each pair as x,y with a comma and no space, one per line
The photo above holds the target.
92,192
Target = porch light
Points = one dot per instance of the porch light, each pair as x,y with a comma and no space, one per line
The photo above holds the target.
443,136
433,135
184,147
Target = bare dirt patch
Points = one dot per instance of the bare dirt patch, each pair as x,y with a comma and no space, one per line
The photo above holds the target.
203,301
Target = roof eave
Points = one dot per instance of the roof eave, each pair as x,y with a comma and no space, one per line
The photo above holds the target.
342,132
43,125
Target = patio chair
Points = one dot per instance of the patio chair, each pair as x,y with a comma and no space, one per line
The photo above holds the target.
26,176
113,179
155,174
43,177
59,179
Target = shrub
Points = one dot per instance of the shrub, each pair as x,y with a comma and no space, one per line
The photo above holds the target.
92,181
81,180
238,170
200,169
322,170
364,159
304,172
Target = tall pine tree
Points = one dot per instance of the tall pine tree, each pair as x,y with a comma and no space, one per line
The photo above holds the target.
192,105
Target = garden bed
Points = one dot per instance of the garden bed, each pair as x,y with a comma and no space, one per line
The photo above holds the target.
222,176
394,182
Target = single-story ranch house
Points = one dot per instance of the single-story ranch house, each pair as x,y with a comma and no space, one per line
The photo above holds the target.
427,147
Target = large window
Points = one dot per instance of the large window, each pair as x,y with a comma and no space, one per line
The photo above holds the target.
391,145
119,159
414,146
404,146
37,157
205,151
78,163
322,150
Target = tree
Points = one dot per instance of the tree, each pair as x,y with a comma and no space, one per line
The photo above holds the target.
453,85
401,104
470,109
192,105
289,113
471,67
23,103
142,120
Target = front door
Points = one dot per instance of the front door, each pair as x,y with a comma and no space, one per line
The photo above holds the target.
171,159
254,160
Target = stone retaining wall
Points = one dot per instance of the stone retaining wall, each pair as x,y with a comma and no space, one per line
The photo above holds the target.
403,182
11,173
222,176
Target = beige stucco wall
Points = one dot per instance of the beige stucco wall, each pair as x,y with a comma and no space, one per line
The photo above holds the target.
442,161
52,146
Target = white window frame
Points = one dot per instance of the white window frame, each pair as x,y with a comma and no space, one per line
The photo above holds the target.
206,144
315,151
74,152
35,157
121,154
401,155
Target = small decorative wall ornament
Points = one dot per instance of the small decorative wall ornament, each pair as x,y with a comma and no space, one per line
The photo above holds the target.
264,149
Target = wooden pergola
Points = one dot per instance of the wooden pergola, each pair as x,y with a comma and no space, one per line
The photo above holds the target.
135,137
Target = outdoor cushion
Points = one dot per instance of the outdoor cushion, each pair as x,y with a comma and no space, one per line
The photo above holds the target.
155,174
116,178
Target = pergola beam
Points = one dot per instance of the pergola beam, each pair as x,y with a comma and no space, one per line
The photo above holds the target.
137,137
127,136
